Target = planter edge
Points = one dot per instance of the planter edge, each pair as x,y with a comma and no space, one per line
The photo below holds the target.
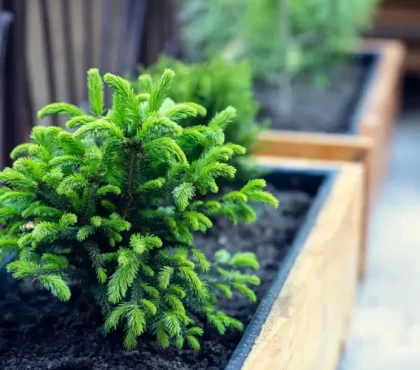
257,346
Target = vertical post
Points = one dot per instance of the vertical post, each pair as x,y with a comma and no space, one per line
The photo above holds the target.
87,13
6,18
17,100
137,34
162,13
123,37
172,43
70,70
105,44
49,55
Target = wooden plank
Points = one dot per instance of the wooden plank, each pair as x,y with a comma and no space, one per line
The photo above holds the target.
300,163
137,34
312,145
123,33
413,60
306,327
382,107
401,20
106,44
49,55
70,69
89,42
409,17
106,21
398,3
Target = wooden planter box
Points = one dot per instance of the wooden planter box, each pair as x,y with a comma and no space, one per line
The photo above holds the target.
302,320
368,139
371,128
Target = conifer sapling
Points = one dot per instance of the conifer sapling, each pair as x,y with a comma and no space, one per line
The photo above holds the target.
216,84
112,208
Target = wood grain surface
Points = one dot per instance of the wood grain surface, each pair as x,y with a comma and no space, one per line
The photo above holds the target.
308,322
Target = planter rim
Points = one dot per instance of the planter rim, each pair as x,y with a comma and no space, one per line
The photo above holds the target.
253,330
375,55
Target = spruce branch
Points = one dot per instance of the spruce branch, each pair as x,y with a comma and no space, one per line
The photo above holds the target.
95,92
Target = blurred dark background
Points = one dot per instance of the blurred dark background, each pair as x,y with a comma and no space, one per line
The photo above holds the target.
400,19
47,45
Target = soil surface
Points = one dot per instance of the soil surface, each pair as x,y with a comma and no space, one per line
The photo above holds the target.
314,108
39,333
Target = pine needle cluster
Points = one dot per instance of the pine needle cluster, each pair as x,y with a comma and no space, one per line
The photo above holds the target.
112,207
214,85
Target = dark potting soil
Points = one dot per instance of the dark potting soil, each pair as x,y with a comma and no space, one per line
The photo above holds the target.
315,108
39,333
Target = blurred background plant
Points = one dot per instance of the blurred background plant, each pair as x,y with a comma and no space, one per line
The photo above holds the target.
215,85
280,38
275,35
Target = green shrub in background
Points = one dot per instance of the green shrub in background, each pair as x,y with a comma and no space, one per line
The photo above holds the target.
327,30
113,206
275,35
215,85
209,27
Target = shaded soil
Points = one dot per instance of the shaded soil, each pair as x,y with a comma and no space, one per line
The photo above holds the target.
315,108
39,333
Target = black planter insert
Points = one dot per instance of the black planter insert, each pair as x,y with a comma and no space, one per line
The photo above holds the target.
63,339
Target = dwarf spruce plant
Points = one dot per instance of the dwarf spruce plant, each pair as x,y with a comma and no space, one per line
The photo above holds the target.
214,85
112,207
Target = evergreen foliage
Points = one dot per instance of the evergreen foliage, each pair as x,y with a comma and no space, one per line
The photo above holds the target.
319,31
215,85
113,207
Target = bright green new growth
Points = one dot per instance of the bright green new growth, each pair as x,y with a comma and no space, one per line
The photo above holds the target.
215,85
113,207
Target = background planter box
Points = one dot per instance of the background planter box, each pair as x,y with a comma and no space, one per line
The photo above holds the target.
302,320
369,138
371,124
